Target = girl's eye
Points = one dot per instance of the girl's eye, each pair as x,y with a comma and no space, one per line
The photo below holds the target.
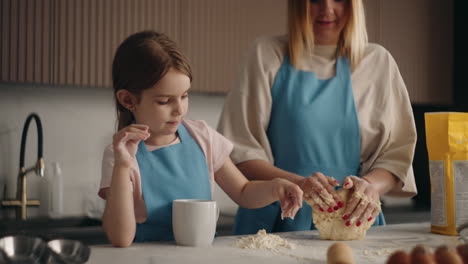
163,102
185,96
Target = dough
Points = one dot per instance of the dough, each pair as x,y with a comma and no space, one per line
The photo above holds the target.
331,225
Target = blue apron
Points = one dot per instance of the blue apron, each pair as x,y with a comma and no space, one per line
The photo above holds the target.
174,172
313,128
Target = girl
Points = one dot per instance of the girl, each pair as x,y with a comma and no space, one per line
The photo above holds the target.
157,156
349,108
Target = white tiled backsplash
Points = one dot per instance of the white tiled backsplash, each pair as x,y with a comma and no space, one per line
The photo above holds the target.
77,124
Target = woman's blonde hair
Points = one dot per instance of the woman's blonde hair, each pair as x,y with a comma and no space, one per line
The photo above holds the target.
140,62
353,38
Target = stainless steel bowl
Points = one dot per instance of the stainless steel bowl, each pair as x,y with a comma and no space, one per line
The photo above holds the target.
69,251
23,249
463,232
3,257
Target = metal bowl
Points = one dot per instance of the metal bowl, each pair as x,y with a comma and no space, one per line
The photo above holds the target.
463,232
3,257
69,251
23,249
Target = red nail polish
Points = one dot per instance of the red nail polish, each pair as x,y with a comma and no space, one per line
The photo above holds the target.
358,223
345,217
369,219
321,209
330,210
337,182
346,184
340,204
348,223
336,208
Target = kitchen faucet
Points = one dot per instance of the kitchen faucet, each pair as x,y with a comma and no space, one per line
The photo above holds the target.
21,203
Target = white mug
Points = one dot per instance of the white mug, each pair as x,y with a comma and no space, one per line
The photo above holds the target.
194,222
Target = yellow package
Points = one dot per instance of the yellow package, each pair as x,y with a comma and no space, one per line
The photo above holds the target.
447,145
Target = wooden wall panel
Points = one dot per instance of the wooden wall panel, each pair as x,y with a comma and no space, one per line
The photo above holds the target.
70,42
62,62
38,41
70,37
419,35
21,62
14,32
6,39
216,35
30,41
54,40
45,66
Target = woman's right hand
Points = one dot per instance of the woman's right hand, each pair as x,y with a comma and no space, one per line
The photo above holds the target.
319,189
125,143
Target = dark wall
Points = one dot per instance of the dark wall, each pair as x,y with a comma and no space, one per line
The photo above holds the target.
421,161
460,56
460,92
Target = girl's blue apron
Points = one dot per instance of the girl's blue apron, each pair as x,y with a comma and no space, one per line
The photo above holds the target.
174,172
313,128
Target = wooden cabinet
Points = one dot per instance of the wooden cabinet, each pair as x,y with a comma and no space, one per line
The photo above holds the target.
72,42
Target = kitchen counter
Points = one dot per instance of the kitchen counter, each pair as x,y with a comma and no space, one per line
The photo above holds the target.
379,243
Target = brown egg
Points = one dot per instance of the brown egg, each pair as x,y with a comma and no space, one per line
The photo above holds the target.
463,252
399,257
340,253
421,255
446,255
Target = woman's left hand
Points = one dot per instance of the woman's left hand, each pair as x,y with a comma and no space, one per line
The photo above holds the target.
364,204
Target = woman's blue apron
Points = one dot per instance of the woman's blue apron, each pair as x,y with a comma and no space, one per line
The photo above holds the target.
174,172
313,128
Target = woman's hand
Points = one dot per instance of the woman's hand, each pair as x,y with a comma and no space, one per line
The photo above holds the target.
125,143
320,189
364,204
290,197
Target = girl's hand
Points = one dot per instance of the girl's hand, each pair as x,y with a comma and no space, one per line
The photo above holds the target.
126,141
320,190
364,204
290,197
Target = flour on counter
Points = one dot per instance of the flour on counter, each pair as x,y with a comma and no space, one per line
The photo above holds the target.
380,252
262,240
449,241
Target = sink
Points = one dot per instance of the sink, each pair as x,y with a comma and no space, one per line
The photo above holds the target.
84,229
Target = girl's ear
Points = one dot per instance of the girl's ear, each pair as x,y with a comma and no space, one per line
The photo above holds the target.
126,99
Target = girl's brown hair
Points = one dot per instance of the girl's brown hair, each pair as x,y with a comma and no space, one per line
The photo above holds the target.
140,62
353,39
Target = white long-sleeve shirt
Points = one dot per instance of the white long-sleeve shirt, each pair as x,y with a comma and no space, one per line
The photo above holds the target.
388,133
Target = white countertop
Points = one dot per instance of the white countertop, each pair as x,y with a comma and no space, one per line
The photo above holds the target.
379,243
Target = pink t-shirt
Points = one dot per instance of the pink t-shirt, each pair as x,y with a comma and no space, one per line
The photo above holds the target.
215,147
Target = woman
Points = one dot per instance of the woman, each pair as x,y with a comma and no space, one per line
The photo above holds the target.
316,106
